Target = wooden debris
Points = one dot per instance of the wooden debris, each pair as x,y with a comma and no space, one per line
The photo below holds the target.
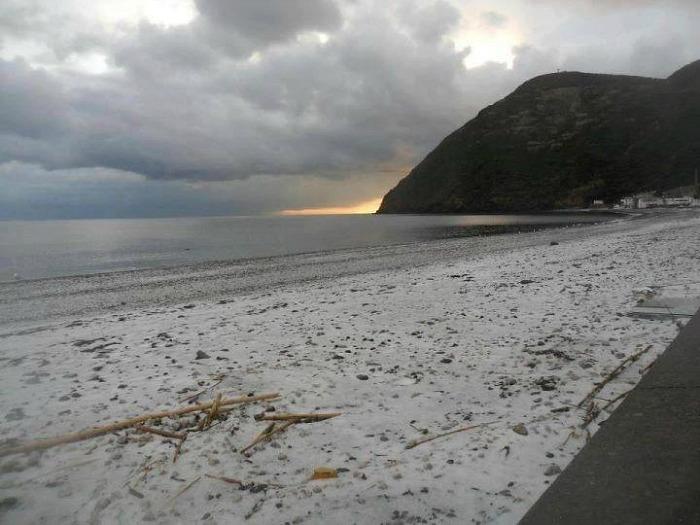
43,444
592,412
281,422
225,479
297,418
571,434
212,414
265,435
178,449
243,484
219,379
415,443
163,433
647,368
186,488
616,399
612,375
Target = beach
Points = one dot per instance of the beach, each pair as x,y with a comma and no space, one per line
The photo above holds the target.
407,342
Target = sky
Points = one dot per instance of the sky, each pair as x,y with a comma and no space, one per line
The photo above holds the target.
160,108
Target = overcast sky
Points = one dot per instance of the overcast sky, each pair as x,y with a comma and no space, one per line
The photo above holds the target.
138,108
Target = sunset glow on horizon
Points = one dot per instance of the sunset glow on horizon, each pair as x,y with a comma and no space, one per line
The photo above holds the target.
366,207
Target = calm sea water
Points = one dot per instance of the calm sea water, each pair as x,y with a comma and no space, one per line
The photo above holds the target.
37,249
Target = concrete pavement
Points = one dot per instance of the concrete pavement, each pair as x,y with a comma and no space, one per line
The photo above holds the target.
643,465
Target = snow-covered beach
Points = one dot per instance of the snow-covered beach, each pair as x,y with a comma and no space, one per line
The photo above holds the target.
514,334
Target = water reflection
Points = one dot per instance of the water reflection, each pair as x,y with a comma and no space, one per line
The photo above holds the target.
56,248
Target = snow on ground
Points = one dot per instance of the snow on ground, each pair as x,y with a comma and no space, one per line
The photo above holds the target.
516,337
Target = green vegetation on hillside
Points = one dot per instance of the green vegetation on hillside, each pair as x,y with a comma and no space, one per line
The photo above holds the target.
561,141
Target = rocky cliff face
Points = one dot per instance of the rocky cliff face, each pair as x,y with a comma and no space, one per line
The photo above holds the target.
559,141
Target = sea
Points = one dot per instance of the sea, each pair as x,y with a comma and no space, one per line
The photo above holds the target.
45,249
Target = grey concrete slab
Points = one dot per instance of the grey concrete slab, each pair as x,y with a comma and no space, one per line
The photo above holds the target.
643,465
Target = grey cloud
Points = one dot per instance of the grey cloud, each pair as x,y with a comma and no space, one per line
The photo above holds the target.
31,192
241,26
152,51
660,58
494,19
307,108
429,22
184,105
31,105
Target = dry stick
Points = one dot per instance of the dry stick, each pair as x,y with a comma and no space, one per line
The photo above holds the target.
616,399
204,391
269,428
592,413
147,465
227,480
213,412
163,433
186,488
646,368
240,483
414,444
571,434
298,418
268,433
612,375
178,449
42,444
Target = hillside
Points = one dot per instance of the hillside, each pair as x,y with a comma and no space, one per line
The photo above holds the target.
560,141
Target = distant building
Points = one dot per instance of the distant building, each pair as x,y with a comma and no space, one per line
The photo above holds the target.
649,200
678,201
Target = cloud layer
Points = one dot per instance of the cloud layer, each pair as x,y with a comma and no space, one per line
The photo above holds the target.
313,95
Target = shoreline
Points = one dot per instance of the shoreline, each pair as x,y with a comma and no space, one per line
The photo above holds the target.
417,341
195,264
89,294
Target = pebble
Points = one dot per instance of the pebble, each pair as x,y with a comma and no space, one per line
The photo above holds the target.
521,429
16,414
552,470
8,503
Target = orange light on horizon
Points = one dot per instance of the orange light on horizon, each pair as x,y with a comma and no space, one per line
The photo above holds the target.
363,208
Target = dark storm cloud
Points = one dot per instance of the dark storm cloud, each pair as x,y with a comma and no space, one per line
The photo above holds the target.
233,23
181,110
31,105
430,22
248,89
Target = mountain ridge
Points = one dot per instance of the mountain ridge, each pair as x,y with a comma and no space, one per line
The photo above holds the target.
562,140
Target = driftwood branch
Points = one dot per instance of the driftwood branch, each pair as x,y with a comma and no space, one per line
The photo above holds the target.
43,444
297,418
615,399
612,375
281,422
186,488
225,479
415,443
267,434
178,449
163,433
